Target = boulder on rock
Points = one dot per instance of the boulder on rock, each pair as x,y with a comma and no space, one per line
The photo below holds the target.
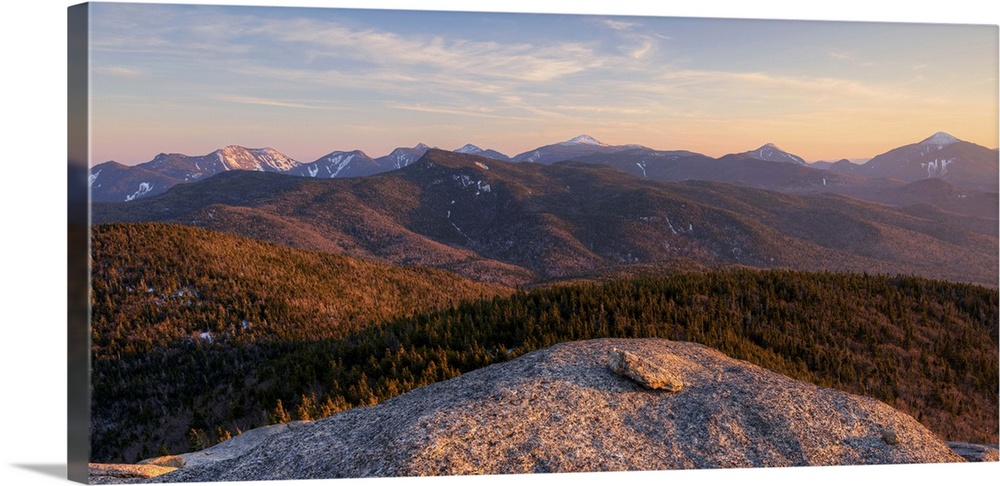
644,371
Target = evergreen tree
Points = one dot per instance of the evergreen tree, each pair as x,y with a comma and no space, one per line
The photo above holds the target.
279,415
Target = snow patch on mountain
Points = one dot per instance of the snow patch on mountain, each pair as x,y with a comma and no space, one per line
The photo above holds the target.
269,157
144,187
469,149
402,157
466,181
584,140
937,168
939,139
534,156
770,152
335,163
234,157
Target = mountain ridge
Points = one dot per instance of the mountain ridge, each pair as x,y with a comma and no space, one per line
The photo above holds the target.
529,221
960,163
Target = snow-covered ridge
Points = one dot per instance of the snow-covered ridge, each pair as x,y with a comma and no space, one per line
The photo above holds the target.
402,156
939,139
584,140
469,149
340,160
235,157
772,153
274,159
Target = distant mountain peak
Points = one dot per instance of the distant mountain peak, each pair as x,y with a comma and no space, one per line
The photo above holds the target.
402,156
237,157
420,147
940,139
231,149
336,153
584,140
772,153
469,149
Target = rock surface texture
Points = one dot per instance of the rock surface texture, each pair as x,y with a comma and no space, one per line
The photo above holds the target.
124,473
563,409
976,452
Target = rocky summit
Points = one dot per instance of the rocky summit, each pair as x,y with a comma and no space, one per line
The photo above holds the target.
564,409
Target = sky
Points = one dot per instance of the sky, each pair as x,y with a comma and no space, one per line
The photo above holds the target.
309,81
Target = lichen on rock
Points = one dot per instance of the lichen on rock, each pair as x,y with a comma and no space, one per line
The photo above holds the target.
165,461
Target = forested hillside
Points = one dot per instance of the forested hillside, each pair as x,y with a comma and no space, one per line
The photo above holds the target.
321,336
155,284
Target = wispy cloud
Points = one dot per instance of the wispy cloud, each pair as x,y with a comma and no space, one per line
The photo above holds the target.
842,55
277,103
816,85
475,112
752,83
619,24
264,51
458,57
633,41
644,48
117,71
405,70
571,72
605,109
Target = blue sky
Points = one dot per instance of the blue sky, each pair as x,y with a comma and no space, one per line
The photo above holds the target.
307,81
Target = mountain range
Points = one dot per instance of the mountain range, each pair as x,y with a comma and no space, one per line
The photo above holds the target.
940,156
523,223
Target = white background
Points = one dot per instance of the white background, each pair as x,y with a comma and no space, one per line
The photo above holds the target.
33,282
